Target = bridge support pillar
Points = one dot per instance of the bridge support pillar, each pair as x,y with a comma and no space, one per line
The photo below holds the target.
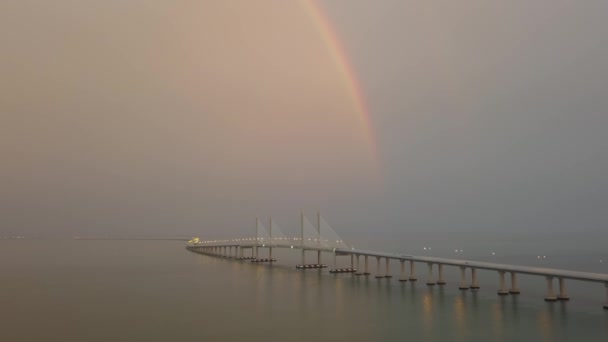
387,273
352,261
255,252
441,280
319,258
563,295
358,267
366,272
270,253
502,290
403,276
430,281
606,303
303,257
550,295
335,261
463,279
413,271
474,283
514,289
378,270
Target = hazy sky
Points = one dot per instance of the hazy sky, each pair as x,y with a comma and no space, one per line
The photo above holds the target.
191,117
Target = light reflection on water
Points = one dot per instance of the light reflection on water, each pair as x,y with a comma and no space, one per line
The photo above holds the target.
460,316
157,291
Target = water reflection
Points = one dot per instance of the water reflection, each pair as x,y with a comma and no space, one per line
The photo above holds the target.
498,317
545,324
427,311
460,316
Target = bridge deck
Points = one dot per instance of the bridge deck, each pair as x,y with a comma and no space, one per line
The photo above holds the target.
548,272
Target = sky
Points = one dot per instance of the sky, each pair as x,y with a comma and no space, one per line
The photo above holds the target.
392,117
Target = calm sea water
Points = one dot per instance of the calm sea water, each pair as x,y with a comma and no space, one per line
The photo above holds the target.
66,290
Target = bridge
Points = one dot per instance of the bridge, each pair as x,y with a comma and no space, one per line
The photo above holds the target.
323,238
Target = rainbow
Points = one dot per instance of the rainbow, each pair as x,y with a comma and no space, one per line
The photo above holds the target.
345,69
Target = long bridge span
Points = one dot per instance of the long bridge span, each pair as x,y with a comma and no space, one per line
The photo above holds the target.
323,238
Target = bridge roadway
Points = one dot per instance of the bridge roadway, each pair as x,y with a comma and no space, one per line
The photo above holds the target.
224,249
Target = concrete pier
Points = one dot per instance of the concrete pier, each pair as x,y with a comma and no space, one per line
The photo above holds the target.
563,295
474,284
378,271
413,271
463,279
352,261
430,280
403,276
358,266
387,271
606,302
335,261
502,289
514,289
319,257
441,280
550,294
366,272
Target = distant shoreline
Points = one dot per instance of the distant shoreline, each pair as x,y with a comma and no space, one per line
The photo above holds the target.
129,238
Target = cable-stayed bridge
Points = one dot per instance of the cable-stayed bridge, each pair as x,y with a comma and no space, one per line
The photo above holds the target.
323,239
